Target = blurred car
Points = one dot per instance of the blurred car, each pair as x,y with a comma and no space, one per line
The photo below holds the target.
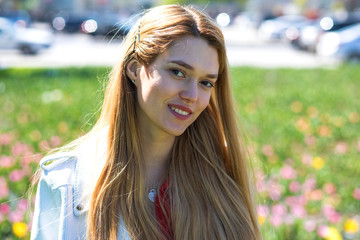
274,29
309,35
68,22
27,40
343,44
108,24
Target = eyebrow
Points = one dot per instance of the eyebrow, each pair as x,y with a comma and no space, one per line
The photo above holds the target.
185,65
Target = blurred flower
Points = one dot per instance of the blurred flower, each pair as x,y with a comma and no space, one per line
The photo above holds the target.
276,220
289,219
55,141
16,175
339,121
294,186
275,191
341,148
4,190
263,210
35,135
298,211
302,125
309,185
331,214
325,118
310,225
324,131
318,163
354,117
63,127
296,107
4,208
16,216
6,161
288,172
296,200
44,145
22,205
268,150
329,188
316,195
306,159
261,219
279,209
312,112
333,234
356,193
6,138
19,229
310,140
351,226
323,231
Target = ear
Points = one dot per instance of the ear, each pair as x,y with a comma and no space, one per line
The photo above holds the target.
132,70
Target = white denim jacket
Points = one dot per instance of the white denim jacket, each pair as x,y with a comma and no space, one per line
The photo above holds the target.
60,211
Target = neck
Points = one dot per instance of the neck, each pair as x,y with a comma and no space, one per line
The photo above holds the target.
156,151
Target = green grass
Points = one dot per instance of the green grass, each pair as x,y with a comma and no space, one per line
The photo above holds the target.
294,112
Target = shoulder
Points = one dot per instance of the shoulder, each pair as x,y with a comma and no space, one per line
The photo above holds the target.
59,169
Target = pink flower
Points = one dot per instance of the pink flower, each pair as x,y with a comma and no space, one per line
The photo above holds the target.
22,205
268,150
310,225
331,214
294,186
316,195
16,216
55,141
309,185
356,193
341,148
16,175
329,188
263,210
307,159
6,138
4,208
279,210
323,231
4,190
44,145
17,149
276,220
296,200
298,211
6,161
275,192
289,219
288,172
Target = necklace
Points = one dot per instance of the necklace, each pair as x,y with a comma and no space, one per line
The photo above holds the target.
152,193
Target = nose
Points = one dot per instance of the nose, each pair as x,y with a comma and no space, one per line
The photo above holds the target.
189,92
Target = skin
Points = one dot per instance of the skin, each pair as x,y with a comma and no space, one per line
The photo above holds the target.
172,92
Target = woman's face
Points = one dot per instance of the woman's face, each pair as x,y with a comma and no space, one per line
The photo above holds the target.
176,87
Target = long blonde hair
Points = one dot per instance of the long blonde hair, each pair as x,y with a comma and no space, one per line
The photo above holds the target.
210,193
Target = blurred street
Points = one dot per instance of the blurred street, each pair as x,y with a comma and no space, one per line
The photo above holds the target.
244,49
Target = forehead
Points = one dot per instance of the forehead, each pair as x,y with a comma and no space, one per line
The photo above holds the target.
195,52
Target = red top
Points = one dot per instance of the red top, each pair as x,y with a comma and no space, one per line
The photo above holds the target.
164,218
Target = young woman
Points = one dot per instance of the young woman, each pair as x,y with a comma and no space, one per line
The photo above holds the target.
165,159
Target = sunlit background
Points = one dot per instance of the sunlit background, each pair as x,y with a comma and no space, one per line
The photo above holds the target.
295,69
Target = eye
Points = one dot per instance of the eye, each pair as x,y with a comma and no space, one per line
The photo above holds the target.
178,73
207,84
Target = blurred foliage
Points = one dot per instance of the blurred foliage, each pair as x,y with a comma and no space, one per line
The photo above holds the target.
303,129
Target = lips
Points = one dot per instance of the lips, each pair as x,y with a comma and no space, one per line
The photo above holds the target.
179,111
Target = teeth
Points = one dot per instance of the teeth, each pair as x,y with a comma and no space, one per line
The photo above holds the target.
179,111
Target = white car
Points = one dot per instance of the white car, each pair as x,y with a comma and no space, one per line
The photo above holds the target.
27,40
342,44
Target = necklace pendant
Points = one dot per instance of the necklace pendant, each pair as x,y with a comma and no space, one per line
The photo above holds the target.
152,195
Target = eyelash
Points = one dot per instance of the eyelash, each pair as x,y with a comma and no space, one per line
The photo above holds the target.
205,83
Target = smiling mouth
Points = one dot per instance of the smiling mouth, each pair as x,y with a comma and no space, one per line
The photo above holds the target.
179,111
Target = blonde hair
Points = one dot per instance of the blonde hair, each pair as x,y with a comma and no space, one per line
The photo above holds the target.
210,193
